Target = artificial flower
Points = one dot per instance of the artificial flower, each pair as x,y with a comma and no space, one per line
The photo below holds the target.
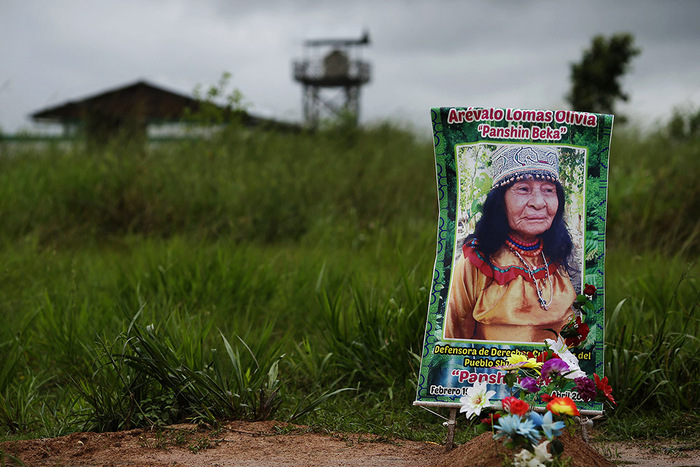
507,426
522,458
555,366
476,399
542,453
536,418
549,427
512,425
586,388
491,419
562,406
561,350
541,357
518,360
589,290
557,346
515,406
528,430
526,459
546,397
582,328
529,384
604,387
544,381
575,332
575,371
576,340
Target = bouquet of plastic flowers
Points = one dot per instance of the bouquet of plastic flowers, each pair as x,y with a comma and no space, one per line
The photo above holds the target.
538,380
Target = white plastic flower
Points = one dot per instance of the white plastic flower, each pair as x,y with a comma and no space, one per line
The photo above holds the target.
559,347
522,458
526,459
476,399
542,454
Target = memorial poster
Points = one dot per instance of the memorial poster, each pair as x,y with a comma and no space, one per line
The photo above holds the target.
520,245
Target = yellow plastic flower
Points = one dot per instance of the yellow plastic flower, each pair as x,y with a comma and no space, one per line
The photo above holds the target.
526,362
519,360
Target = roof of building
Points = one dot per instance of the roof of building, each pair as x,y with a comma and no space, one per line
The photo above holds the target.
140,100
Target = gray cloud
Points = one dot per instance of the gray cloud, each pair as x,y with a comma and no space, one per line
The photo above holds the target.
506,53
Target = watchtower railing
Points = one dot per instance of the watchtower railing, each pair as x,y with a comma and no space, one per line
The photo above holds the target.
313,72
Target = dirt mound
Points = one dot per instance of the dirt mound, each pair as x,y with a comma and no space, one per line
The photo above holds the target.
484,451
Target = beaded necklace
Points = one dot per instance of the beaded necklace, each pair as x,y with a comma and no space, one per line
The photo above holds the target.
530,271
525,249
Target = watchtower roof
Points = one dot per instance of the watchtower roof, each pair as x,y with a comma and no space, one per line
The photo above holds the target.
336,35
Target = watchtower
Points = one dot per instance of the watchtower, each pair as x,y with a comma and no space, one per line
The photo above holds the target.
331,73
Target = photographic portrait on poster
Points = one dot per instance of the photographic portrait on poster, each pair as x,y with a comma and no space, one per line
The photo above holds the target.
518,249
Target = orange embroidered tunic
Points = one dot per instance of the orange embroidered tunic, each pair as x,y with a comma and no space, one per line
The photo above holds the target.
501,303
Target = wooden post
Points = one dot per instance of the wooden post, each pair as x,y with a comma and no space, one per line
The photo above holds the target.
450,443
586,424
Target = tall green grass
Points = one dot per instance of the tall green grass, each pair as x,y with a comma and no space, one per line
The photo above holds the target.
654,195
286,276
652,333
259,187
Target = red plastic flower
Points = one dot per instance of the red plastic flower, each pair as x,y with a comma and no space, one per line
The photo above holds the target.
562,406
578,333
604,387
589,290
515,406
546,397
540,357
491,419
586,388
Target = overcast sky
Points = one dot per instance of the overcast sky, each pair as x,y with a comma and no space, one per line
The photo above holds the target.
500,53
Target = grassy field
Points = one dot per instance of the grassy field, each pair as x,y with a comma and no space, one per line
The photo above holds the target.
262,275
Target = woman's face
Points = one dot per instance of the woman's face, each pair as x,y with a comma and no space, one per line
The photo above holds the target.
531,206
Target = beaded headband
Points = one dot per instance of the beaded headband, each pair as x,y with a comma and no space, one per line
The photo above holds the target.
511,163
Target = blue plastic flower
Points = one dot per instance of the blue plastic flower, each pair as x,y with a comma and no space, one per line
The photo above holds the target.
551,428
528,430
512,425
536,419
507,426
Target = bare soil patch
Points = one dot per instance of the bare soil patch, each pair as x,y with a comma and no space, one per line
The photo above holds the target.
274,443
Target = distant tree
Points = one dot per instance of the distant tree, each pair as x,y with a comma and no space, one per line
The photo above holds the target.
684,124
595,80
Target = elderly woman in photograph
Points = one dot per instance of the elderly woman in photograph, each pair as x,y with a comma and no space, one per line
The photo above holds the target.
511,282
